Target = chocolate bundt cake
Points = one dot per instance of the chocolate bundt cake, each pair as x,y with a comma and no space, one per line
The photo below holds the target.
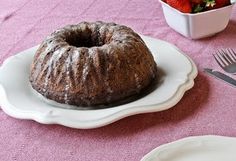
92,64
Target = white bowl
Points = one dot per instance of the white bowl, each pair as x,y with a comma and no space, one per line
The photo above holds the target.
197,25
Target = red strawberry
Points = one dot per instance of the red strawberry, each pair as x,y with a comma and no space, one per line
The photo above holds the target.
181,5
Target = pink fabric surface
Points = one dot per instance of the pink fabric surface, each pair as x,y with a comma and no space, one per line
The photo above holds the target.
208,108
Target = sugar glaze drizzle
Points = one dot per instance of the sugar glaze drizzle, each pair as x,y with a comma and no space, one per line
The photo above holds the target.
107,85
67,86
86,66
52,65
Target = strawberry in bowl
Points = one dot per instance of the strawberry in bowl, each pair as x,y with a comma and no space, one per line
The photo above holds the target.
181,5
197,19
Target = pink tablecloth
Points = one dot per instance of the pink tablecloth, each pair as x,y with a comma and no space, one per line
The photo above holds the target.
208,108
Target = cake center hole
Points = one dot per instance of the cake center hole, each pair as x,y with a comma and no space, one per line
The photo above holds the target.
84,40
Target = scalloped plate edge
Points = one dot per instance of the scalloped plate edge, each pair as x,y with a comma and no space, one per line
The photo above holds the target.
153,154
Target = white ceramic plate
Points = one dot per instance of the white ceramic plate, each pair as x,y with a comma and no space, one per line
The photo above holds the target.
199,148
18,100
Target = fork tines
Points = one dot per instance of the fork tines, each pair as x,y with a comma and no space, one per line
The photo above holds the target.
225,57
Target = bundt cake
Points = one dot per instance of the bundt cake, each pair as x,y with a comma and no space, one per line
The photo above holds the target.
92,63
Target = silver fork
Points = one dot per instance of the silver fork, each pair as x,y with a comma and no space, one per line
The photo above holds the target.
226,58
